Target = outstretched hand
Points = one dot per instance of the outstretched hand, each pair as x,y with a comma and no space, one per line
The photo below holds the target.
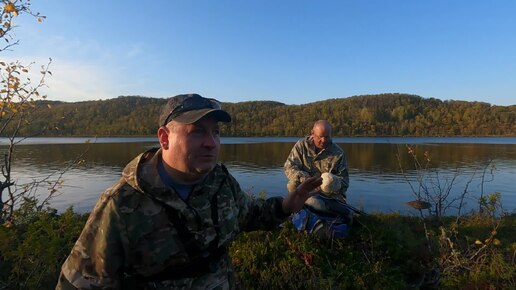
295,200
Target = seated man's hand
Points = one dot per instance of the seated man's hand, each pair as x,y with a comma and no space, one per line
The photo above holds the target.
295,200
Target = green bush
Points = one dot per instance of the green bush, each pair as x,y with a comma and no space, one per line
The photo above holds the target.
34,245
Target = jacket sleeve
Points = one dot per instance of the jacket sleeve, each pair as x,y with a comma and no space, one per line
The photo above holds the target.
255,213
294,166
340,169
96,259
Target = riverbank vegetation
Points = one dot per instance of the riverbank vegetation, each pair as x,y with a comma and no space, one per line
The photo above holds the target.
382,251
367,115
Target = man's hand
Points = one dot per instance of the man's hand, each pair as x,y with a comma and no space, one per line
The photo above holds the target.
304,176
295,200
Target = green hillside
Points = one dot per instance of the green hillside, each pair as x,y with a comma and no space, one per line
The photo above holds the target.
368,115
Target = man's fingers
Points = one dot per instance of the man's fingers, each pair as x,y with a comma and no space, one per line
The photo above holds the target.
315,181
311,186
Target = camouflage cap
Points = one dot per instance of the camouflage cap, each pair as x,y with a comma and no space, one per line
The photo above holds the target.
189,108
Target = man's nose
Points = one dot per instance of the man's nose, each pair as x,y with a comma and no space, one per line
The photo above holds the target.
210,140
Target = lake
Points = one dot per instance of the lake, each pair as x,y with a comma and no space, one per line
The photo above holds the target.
377,184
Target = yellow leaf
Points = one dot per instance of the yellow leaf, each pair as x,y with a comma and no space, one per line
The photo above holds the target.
9,7
478,242
496,242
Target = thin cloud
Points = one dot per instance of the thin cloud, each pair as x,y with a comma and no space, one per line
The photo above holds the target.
79,81
134,50
71,81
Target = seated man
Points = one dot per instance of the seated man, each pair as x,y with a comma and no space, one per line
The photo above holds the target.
317,156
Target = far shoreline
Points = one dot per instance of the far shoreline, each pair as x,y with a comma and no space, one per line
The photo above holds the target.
508,140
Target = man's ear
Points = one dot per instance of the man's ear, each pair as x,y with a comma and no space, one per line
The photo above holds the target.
163,137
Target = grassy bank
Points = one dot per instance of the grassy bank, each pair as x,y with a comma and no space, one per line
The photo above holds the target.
381,252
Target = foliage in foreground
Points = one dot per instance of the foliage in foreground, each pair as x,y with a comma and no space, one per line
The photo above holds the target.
381,252
34,246
384,252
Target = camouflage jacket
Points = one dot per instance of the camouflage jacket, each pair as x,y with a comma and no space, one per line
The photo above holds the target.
130,235
303,162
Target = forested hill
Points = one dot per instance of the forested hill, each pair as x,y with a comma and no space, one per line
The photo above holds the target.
368,115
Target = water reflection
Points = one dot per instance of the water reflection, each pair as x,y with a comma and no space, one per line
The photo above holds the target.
376,181
377,157
256,155
55,155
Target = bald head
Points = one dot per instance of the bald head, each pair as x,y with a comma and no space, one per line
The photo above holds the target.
321,134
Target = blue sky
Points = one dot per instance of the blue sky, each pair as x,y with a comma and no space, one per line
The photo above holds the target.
295,52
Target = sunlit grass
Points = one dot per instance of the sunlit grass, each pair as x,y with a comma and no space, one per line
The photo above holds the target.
383,251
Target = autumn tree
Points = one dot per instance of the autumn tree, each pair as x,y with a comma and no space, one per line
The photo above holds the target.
18,94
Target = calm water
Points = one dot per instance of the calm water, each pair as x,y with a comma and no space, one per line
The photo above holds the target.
376,181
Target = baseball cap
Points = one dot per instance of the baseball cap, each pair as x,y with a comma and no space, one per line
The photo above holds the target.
189,108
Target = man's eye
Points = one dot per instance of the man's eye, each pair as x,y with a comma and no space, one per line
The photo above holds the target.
198,131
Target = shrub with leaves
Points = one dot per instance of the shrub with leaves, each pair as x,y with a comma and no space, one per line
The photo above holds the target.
34,244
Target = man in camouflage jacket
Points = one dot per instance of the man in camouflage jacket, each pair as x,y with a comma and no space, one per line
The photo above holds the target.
314,155
168,221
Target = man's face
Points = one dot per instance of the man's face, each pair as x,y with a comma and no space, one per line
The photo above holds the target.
321,137
193,149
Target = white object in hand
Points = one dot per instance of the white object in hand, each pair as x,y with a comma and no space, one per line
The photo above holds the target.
330,183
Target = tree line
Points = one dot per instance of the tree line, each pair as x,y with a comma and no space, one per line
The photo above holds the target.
366,115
